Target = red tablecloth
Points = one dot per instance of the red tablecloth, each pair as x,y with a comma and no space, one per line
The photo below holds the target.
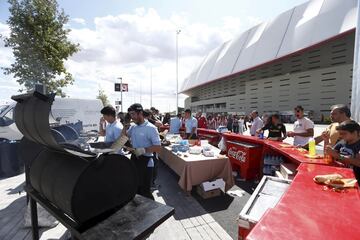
306,211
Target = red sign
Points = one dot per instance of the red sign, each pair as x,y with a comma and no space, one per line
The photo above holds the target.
237,154
124,87
121,87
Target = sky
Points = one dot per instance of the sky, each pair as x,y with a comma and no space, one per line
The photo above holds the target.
136,40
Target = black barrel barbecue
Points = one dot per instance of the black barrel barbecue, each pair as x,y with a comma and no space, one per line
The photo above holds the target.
83,185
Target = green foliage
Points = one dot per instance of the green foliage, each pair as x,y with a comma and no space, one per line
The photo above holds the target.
40,44
103,97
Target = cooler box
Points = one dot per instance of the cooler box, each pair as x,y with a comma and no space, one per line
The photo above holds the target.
266,195
246,158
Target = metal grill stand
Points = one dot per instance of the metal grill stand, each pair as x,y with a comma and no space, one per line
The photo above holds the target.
92,195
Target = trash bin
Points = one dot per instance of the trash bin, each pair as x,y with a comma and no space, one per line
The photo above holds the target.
10,163
246,158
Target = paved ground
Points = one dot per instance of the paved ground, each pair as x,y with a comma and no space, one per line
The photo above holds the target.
195,217
191,220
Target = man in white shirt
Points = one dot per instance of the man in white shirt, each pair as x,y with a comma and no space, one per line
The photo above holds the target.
190,125
256,123
303,128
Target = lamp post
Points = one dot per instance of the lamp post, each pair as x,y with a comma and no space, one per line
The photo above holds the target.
151,87
121,99
177,71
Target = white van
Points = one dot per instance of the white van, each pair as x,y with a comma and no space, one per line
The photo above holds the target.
63,110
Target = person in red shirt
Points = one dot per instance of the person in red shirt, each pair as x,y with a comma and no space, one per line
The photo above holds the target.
201,120
211,122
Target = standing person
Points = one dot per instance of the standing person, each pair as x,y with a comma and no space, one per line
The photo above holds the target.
256,123
347,150
148,115
211,122
166,119
217,121
190,125
266,118
145,139
113,128
201,120
230,123
121,117
303,128
277,129
241,123
175,124
339,113
223,121
246,120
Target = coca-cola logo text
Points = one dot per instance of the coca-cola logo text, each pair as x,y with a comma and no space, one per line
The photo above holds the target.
237,154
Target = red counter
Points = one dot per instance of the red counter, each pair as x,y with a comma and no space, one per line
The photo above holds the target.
306,211
291,154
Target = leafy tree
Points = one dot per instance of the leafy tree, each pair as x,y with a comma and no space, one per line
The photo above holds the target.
40,44
103,97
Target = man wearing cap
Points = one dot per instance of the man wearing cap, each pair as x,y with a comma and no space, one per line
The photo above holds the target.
145,139
190,125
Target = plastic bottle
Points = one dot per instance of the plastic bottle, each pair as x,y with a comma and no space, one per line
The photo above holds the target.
327,157
261,135
312,150
266,159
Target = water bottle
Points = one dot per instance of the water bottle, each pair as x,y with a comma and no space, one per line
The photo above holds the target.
261,135
312,150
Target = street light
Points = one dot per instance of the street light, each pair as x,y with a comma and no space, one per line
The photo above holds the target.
121,100
151,87
177,71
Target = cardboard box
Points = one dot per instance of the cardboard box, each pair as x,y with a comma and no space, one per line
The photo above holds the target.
279,175
208,194
217,184
288,170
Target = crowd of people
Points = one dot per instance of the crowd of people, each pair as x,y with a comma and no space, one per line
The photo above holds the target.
341,138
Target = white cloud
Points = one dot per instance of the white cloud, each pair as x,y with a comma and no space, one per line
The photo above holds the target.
129,45
79,21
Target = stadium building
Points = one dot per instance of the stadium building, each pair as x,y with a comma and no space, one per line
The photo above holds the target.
304,57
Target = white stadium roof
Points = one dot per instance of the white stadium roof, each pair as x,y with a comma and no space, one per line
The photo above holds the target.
292,31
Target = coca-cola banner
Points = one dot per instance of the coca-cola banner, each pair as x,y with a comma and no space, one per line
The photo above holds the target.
237,154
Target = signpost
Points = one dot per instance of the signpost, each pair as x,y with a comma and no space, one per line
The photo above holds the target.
121,87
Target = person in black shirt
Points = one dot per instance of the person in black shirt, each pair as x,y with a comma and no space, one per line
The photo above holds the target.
166,119
277,130
347,150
